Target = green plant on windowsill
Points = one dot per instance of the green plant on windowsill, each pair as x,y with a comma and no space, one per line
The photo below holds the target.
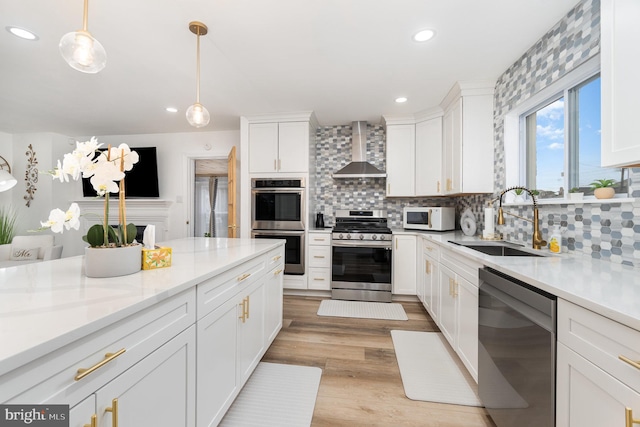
575,190
576,194
603,188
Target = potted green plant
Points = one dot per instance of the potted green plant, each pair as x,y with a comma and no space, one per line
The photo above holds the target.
603,188
575,194
8,217
519,195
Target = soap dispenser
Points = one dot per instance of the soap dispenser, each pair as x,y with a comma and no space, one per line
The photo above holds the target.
555,241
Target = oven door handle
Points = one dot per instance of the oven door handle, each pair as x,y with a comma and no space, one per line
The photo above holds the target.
361,244
278,232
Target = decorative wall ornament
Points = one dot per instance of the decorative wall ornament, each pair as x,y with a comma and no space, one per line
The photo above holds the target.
31,175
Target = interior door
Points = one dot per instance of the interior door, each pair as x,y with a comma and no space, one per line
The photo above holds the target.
231,176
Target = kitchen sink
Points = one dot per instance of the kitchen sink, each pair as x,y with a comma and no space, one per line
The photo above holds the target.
496,249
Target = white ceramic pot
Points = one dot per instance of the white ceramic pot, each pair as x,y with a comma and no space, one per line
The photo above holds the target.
576,196
112,262
604,193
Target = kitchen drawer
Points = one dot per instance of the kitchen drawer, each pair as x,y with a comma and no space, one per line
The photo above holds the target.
461,265
214,292
275,257
319,278
430,248
320,256
50,379
320,239
601,341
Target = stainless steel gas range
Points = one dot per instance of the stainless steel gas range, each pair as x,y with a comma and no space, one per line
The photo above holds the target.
361,256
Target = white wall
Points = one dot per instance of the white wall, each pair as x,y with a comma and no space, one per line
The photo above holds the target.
6,151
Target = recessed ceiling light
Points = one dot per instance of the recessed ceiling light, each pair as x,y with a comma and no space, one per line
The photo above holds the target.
171,109
401,100
22,33
424,35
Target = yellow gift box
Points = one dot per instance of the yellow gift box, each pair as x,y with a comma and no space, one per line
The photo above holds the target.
159,257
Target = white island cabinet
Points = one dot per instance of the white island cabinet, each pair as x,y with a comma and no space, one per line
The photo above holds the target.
127,351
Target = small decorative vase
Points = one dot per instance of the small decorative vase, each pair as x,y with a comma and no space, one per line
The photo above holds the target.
519,198
112,262
576,196
604,193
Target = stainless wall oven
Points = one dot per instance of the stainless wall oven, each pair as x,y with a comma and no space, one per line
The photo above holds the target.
277,204
293,248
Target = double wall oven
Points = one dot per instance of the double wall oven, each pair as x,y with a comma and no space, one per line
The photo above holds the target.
278,212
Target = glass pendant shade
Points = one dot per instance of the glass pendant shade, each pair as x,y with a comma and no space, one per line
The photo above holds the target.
197,115
82,52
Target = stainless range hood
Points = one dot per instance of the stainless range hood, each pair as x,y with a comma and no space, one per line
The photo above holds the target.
359,167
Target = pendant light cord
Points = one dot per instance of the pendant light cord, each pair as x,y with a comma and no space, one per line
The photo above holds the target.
197,67
85,17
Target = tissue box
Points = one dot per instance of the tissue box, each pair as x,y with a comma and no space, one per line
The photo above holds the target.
158,257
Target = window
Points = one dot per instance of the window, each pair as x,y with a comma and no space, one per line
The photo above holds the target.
561,143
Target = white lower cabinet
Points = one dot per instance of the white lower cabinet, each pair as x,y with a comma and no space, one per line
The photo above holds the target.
273,303
598,376
429,278
448,306
404,264
319,270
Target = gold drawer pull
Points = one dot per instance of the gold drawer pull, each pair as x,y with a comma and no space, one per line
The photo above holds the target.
629,361
319,279
82,372
318,256
244,276
94,421
277,257
319,240
628,416
114,412
427,266
278,271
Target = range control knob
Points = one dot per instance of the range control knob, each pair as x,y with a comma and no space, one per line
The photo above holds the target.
361,236
340,236
382,237
348,236
374,237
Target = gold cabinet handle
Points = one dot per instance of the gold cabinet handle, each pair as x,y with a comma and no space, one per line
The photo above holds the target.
278,271
628,416
244,316
449,185
318,256
438,186
114,412
247,306
94,421
244,276
318,240
629,361
427,267
277,257
319,279
429,220
82,372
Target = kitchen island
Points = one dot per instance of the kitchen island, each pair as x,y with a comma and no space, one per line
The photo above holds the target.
70,339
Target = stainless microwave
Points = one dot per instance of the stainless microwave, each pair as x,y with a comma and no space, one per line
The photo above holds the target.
429,218
277,204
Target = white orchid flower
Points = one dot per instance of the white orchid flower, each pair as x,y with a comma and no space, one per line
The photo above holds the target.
58,174
88,148
130,157
103,180
72,217
71,166
55,221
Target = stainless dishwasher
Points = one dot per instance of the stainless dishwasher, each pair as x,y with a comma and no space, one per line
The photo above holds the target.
516,351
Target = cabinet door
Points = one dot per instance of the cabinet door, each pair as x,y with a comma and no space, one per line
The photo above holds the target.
273,304
620,86
251,339
401,160
448,306
80,415
404,264
293,147
431,276
263,147
467,324
218,379
429,157
157,391
452,148
586,396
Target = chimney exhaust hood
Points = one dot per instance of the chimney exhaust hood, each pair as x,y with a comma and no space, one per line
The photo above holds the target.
359,167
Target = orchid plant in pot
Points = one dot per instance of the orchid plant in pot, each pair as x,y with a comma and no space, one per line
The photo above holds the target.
112,250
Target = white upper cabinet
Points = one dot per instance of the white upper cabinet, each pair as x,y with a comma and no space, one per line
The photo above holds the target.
467,136
620,85
400,160
279,147
429,157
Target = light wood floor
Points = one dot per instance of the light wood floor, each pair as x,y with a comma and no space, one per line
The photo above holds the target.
361,383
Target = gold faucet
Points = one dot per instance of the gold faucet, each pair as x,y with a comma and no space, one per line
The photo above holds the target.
537,241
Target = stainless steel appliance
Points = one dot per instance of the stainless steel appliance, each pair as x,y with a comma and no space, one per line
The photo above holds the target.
277,204
293,248
361,256
277,212
516,351
429,218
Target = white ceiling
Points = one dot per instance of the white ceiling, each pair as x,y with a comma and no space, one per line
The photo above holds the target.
344,59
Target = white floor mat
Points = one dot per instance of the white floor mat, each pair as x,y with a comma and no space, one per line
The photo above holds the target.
431,371
362,309
276,395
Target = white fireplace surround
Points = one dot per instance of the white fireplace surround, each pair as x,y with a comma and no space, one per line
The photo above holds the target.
141,212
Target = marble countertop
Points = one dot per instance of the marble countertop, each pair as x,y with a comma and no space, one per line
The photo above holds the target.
44,306
611,290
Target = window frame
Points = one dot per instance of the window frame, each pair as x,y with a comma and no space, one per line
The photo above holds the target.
514,130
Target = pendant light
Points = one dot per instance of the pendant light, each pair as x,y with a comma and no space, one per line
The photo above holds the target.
197,115
81,51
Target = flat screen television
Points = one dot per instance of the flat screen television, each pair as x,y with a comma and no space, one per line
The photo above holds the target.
141,181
